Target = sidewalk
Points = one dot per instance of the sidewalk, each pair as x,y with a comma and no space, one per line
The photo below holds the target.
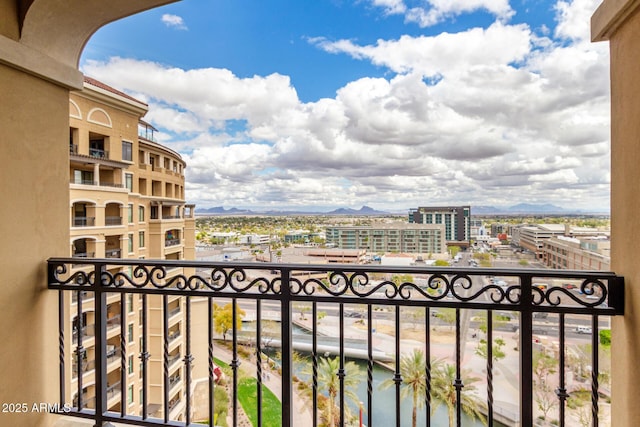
273,381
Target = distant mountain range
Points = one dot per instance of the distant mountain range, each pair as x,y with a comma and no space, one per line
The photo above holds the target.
531,208
519,209
219,210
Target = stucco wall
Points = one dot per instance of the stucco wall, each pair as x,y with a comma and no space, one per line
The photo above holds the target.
625,204
34,215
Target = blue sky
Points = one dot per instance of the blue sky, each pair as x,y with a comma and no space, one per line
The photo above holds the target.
282,104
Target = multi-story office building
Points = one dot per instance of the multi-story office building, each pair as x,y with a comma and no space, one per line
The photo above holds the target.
570,253
533,237
126,201
389,237
499,228
456,220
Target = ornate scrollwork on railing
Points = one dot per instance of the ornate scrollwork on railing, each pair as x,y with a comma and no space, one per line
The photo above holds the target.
463,286
438,287
221,279
591,287
79,278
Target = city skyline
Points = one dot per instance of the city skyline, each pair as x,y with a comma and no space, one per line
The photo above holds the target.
385,103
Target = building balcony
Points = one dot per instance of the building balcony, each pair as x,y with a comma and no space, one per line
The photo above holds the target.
84,296
171,217
113,253
98,153
84,254
171,242
84,221
113,322
87,331
443,315
113,220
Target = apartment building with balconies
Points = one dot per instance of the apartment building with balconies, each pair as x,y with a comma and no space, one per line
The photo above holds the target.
389,237
456,220
126,199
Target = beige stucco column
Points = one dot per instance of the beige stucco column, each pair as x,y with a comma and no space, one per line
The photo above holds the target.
618,21
40,44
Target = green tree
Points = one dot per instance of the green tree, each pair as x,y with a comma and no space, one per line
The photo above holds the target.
414,382
578,401
303,308
544,395
329,385
498,354
441,263
605,338
223,318
443,376
321,315
498,320
454,250
399,279
447,315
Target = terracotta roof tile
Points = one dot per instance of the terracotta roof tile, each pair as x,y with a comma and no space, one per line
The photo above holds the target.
99,84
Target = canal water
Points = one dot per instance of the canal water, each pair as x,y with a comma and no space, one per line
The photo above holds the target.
383,400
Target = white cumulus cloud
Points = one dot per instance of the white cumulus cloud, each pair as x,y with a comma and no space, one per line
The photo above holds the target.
493,115
174,21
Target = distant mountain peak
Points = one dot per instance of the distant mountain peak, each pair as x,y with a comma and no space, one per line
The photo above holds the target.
364,210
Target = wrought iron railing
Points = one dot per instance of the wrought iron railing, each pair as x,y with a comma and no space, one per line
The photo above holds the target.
113,253
570,304
84,221
113,220
98,153
171,242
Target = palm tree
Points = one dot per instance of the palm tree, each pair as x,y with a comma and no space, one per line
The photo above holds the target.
329,383
414,382
443,376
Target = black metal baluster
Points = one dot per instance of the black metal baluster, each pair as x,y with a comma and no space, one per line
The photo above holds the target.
369,366
314,361
286,339
235,361
212,384
144,358
526,351
457,383
427,370
188,361
165,358
397,377
595,335
490,367
79,351
259,360
61,348
341,371
561,391
100,345
123,356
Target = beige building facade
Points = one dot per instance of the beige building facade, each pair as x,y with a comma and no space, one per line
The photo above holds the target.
390,237
571,253
126,200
